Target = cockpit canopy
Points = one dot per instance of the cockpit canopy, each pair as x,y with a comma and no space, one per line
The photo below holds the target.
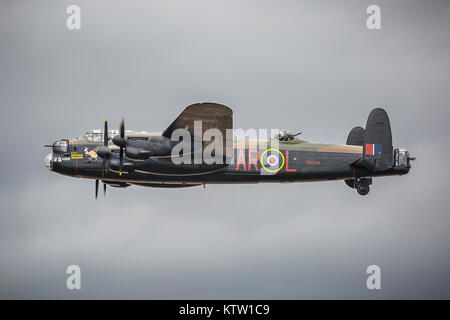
96,135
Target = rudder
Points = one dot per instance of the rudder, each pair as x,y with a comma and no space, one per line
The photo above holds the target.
377,149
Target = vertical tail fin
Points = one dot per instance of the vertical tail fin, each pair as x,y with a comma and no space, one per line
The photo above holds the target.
356,137
378,152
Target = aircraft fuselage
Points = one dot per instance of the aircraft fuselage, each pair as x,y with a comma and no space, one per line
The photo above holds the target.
297,161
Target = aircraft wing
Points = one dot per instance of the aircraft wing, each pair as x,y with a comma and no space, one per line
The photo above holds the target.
212,115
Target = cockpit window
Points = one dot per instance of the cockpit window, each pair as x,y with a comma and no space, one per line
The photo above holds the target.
96,135
61,146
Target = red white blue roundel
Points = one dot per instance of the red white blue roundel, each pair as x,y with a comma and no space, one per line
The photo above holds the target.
272,160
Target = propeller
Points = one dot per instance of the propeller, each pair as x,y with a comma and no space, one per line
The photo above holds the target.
96,189
121,142
104,151
105,154
105,164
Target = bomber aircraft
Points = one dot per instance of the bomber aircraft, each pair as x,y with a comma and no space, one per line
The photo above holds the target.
185,154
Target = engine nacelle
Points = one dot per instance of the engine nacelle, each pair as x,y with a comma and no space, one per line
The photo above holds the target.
127,166
144,148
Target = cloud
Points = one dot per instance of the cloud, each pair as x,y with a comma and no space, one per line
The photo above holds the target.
298,65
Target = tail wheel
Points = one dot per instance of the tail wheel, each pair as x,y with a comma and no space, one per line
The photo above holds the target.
363,189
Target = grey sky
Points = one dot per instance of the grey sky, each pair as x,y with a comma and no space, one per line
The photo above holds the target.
301,65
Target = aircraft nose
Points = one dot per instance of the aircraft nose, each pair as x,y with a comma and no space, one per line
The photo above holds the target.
48,161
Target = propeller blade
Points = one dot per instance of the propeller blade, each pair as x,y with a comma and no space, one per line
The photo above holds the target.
122,135
96,189
122,128
104,152
105,134
105,166
121,160
104,189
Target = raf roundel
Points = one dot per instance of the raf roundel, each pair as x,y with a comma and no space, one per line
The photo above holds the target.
272,160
